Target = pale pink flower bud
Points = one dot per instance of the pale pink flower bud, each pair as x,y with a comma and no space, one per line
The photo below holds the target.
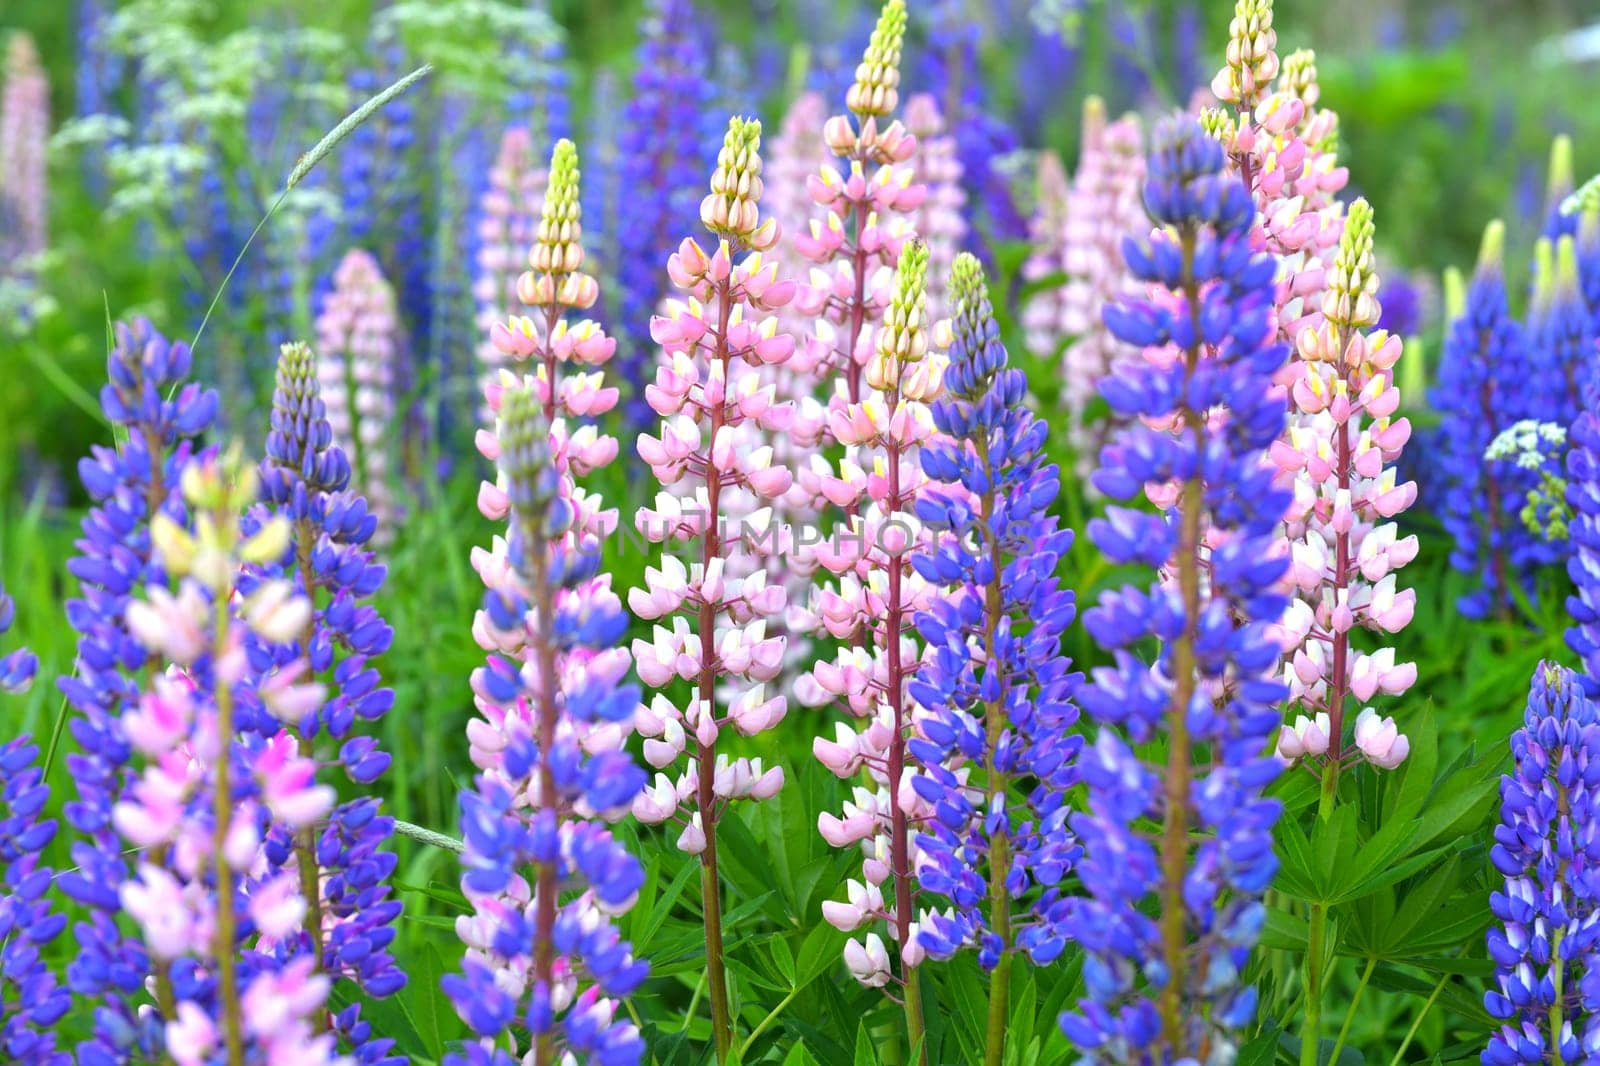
869,963
1380,740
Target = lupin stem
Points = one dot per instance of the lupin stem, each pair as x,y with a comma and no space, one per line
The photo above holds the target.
1311,1028
900,831
995,786
223,942
706,755
1175,823
548,712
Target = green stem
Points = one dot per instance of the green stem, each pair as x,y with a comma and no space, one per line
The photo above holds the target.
1557,976
916,1031
1416,1022
772,1016
1311,1027
1350,1014
694,1002
1330,789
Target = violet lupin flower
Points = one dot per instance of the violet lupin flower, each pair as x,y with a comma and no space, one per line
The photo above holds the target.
1170,917
877,595
1338,456
1561,340
130,485
997,688
1583,565
358,345
536,809
341,866
664,155
1484,359
18,667
1546,948
24,137
28,920
715,413
208,795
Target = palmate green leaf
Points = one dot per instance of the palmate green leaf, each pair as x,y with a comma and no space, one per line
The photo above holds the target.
1458,996
1429,917
1295,875
1284,931
752,975
1363,867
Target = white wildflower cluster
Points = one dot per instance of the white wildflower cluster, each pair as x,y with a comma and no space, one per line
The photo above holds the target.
452,36
1537,447
1527,443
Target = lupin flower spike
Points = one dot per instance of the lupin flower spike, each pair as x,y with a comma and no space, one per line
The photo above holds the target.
1546,948
29,921
24,139
557,276
509,218
342,867
358,349
1338,455
1104,209
868,609
997,688
1583,565
213,792
147,395
875,92
547,957
1162,961
17,668
713,452
1252,61
1561,338
1284,149
1044,314
857,238
663,153
941,220
1481,371
544,351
